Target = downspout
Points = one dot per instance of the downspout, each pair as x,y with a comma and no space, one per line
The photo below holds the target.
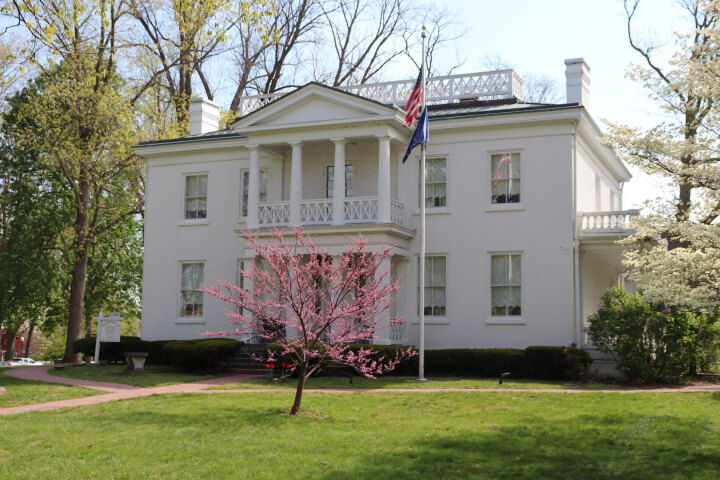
576,244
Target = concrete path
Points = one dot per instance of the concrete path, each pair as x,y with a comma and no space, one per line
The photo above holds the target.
123,392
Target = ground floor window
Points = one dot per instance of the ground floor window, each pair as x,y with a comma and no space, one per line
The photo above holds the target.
505,284
435,286
191,281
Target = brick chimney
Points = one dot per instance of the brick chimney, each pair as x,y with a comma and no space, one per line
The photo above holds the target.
577,81
204,116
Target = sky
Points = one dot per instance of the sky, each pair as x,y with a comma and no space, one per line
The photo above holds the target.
537,36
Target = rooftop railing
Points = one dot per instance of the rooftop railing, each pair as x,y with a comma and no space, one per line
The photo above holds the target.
497,85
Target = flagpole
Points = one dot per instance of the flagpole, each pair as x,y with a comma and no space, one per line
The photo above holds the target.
421,342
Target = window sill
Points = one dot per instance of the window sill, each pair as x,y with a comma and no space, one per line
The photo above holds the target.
433,321
505,207
505,321
190,320
433,211
186,223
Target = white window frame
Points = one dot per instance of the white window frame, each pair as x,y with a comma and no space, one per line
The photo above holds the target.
436,319
504,207
421,178
507,319
267,187
180,318
194,221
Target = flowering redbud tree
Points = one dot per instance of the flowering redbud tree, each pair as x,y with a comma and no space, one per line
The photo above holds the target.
314,305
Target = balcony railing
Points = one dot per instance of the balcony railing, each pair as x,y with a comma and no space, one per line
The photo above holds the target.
611,223
449,89
320,212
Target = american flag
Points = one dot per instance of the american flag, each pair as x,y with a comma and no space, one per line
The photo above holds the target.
505,158
412,107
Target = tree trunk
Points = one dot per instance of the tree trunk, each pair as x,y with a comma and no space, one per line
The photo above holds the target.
28,342
11,336
299,391
79,271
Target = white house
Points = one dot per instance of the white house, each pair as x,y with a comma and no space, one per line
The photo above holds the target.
523,204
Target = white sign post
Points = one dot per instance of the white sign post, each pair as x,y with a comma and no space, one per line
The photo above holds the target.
108,330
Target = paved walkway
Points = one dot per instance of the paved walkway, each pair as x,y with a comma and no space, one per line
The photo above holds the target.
118,391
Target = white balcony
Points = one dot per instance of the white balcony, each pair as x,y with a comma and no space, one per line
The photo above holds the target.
320,212
494,85
617,223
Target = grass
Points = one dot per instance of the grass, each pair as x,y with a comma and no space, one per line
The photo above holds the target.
154,376
24,392
410,382
370,436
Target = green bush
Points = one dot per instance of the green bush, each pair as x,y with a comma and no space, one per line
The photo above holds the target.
115,351
557,363
200,354
651,342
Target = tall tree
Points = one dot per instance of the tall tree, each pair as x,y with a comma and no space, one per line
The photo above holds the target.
81,107
675,253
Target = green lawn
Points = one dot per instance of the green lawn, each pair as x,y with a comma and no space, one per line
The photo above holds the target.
409,382
154,376
24,392
397,436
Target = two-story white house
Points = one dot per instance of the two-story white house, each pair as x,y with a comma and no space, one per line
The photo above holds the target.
523,205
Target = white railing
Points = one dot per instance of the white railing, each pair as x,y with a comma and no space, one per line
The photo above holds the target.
273,214
360,209
397,332
397,212
606,223
316,212
449,89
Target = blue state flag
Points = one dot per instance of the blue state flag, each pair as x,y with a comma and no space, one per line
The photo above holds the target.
421,134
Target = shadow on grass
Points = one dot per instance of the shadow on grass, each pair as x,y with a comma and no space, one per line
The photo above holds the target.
587,447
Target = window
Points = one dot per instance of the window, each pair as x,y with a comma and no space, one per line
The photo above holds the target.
505,285
435,288
191,281
195,196
240,283
246,186
349,181
505,177
435,183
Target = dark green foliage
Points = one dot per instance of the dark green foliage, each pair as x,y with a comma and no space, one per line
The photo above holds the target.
200,354
115,352
652,342
534,362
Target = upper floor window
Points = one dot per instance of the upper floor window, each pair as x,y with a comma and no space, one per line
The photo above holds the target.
330,179
505,284
435,285
191,281
195,196
246,186
505,177
435,182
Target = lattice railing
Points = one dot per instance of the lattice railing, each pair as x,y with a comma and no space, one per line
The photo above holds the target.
360,209
397,212
611,222
273,214
449,89
397,332
316,212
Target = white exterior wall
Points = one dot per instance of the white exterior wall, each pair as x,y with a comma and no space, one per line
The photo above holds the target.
468,230
597,189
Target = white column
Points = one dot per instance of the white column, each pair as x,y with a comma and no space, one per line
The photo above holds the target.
295,184
253,186
339,182
383,325
383,195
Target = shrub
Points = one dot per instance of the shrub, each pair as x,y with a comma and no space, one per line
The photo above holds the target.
651,342
115,351
557,363
199,354
492,362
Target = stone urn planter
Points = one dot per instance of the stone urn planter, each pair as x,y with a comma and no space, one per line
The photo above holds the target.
135,362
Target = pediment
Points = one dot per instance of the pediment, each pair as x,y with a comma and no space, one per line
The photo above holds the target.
313,104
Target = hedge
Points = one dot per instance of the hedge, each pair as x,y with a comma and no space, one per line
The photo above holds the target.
200,354
533,362
115,351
